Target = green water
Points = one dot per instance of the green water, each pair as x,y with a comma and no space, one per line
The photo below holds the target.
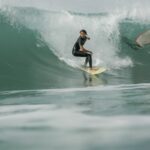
112,117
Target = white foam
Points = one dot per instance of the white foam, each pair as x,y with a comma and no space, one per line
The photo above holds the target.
64,30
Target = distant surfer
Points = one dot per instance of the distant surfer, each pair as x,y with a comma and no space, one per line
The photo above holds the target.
80,51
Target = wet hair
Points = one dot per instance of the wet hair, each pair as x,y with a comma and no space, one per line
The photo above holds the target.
83,31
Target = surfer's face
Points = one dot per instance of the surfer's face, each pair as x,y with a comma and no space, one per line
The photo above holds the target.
82,34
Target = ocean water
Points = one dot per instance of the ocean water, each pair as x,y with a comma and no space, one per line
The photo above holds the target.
46,103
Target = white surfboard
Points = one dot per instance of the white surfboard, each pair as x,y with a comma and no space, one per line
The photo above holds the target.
143,38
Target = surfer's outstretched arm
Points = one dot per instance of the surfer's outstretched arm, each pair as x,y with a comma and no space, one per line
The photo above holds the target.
89,51
85,50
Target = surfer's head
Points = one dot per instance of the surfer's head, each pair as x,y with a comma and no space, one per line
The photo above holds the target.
83,33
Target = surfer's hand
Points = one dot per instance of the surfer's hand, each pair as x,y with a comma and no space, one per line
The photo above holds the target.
81,50
90,52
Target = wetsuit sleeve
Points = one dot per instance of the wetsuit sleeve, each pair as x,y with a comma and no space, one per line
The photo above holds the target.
80,42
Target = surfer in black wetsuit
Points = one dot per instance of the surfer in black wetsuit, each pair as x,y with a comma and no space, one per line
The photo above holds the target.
80,51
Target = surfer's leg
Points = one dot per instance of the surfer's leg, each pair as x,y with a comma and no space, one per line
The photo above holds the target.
88,57
86,61
80,54
90,60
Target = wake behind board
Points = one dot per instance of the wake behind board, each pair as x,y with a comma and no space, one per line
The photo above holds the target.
94,71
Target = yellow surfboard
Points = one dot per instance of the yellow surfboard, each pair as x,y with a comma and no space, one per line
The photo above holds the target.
94,71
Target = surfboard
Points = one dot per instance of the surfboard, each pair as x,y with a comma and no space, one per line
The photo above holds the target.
143,38
94,71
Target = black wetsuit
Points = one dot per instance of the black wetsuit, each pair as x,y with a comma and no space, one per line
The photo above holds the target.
76,51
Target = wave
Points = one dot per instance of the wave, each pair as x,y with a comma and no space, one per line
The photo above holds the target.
41,41
60,30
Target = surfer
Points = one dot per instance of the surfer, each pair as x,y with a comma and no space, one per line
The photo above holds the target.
80,51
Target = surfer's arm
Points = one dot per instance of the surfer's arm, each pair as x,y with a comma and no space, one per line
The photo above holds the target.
82,48
88,38
85,50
